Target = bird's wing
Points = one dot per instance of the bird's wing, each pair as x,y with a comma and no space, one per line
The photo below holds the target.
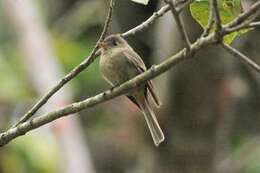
137,61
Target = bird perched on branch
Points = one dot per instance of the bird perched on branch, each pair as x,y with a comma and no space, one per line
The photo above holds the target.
120,63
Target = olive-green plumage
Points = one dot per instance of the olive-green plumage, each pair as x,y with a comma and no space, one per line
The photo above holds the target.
119,63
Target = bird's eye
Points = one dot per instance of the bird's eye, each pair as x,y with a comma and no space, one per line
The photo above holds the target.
115,43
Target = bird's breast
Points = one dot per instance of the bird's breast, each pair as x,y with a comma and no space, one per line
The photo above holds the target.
116,68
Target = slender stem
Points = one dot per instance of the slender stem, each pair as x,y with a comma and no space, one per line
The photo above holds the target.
217,14
244,16
179,23
211,20
241,56
155,16
181,6
148,22
243,25
253,24
219,35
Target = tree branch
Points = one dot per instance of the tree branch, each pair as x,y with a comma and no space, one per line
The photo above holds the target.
179,23
243,25
182,5
219,29
210,22
253,24
148,22
154,71
73,73
237,28
244,16
152,18
217,14
241,56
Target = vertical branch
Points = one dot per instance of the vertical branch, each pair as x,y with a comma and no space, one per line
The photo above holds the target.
180,6
218,19
180,25
211,20
148,22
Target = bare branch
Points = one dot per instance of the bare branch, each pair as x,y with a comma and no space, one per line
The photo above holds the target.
179,23
73,73
219,36
148,22
253,24
243,25
244,16
181,6
210,22
152,18
154,71
241,56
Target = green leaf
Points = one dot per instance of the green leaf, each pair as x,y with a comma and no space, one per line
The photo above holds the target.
144,2
229,10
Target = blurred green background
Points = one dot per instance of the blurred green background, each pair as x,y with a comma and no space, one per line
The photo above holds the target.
210,113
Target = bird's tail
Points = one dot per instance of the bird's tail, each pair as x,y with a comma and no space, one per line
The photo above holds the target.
152,123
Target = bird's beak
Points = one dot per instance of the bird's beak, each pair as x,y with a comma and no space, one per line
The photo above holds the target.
102,44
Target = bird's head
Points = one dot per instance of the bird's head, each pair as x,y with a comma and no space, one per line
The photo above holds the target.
113,41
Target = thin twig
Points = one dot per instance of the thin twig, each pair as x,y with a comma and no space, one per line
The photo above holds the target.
241,56
218,20
153,17
181,6
73,73
211,20
244,16
217,14
148,22
243,25
179,23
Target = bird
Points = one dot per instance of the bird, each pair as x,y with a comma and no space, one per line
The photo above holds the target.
120,63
